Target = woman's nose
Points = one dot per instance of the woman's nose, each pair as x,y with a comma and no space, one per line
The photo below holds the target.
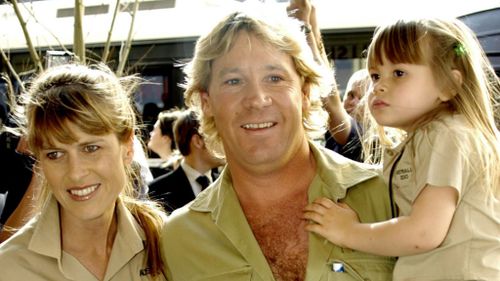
76,168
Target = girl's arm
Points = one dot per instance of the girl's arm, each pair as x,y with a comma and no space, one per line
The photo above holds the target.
421,231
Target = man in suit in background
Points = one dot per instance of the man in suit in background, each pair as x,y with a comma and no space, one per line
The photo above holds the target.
197,169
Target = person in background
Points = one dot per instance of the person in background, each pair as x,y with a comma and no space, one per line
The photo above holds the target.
335,137
257,88
161,142
80,127
357,86
150,113
343,134
196,170
19,184
141,166
433,82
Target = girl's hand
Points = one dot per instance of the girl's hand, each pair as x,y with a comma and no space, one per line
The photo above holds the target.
330,220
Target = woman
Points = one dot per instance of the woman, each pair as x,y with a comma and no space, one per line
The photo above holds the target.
80,128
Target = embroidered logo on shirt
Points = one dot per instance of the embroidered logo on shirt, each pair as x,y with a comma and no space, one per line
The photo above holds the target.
404,174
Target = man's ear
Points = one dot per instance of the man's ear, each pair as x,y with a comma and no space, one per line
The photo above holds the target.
306,102
205,104
197,141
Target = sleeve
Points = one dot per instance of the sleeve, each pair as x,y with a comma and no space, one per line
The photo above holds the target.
440,159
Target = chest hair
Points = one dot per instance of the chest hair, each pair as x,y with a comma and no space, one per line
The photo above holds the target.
280,232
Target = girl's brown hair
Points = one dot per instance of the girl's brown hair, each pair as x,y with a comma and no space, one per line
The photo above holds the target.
447,45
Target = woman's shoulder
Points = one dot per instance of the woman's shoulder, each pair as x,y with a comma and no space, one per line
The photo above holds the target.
16,246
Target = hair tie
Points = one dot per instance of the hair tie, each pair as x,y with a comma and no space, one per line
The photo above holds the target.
459,49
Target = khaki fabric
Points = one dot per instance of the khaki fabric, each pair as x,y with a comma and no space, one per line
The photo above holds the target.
34,253
471,249
210,238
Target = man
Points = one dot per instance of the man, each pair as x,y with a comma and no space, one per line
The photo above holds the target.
257,87
181,185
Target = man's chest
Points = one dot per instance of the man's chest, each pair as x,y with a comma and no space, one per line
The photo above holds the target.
283,241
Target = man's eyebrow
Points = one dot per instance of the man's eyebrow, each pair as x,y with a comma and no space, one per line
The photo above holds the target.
275,67
228,70
236,69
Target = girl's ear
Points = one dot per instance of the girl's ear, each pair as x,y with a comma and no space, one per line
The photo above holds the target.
205,104
457,76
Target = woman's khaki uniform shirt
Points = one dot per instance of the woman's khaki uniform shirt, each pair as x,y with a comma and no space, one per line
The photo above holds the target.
34,253
471,249
210,238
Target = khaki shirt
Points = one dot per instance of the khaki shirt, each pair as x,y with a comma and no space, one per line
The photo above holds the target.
34,253
442,154
210,238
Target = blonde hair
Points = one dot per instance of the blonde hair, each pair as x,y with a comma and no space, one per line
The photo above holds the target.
447,45
280,32
361,78
98,102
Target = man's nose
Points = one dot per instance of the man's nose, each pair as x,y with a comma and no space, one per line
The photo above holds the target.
256,96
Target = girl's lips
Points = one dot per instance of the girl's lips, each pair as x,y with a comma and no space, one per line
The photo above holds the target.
379,103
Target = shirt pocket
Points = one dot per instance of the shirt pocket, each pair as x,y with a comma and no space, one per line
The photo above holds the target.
360,270
241,274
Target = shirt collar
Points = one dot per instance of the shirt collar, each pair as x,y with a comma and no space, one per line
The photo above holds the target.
192,174
333,171
46,239
334,175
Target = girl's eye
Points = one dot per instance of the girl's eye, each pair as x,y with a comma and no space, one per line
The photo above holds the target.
374,76
399,73
53,155
91,148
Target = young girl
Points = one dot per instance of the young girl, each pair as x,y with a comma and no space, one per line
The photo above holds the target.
80,126
431,80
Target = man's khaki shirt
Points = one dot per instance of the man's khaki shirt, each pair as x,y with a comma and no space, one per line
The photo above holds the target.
210,238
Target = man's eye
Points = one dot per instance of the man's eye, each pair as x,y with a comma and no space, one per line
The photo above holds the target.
275,78
91,148
233,81
53,155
